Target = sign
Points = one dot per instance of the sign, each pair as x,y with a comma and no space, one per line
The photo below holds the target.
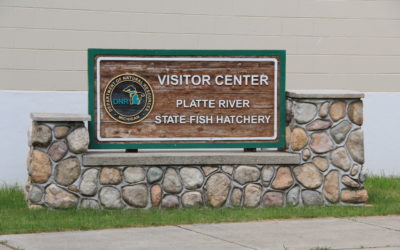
186,99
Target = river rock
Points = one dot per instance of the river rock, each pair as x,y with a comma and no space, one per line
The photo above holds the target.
135,195
355,170
273,199
355,145
321,163
192,199
324,109
40,169
346,180
110,197
304,112
340,131
298,139
88,184
288,136
89,204
289,111
41,135
35,194
355,196
245,174
340,159
134,174
61,131
172,183
356,112
57,197
154,174
292,197
319,125
170,201
308,175
306,154
156,194
110,176
267,173
57,150
217,188
252,195
331,186
321,143
78,140
192,178
227,169
337,110
283,178
73,188
67,171
312,198
236,197
208,170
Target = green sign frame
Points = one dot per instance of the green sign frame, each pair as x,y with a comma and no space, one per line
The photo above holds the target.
92,53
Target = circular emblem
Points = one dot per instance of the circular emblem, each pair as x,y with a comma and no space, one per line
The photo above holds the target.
128,98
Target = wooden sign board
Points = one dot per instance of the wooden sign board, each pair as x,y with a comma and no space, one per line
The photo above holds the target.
186,99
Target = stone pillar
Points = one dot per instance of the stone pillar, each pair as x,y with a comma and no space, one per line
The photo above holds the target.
56,142
325,127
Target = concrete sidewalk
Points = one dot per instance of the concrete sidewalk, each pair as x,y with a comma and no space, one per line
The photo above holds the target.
344,233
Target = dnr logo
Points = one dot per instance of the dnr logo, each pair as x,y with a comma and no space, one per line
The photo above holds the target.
128,98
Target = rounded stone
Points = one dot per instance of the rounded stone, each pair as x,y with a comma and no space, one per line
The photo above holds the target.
41,135
306,154
355,196
288,136
331,186
208,170
154,174
304,112
172,183
337,110
283,178
273,199
110,197
78,140
312,198
267,173
61,131
35,194
88,184
319,125
110,176
289,110
57,197
245,174
340,159
217,189
355,145
73,188
192,178
340,131
227,169
355,170
236,197
40,169
298,139
170,201
134,174
135,195
321,163
308,175
252,195
192,199
67,171
89,204
324,109
321,143
346,180
356,112
156,194
57,150
293,195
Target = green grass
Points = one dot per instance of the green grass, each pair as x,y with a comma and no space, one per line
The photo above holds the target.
15,217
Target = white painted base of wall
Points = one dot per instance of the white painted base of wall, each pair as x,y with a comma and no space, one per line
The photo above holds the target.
381,124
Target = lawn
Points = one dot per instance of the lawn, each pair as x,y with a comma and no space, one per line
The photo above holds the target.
15,217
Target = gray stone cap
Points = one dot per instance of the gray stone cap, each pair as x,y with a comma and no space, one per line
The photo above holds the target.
321,94
188,158
59,117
